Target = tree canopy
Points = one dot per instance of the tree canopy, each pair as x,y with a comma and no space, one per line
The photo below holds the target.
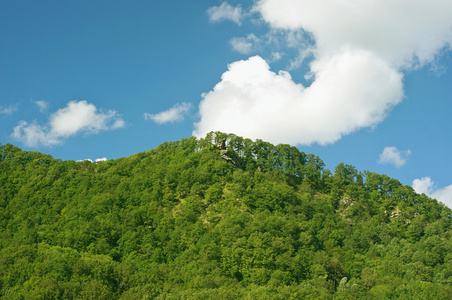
182,222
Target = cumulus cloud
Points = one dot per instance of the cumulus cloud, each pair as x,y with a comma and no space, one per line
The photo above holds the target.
76,117
405,33
444,195
244,45
255,102
225,12
174,114
359,50
425,185
392,155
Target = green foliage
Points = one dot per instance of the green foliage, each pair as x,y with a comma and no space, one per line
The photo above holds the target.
182,222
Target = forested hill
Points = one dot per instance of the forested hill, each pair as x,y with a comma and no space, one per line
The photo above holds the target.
217,218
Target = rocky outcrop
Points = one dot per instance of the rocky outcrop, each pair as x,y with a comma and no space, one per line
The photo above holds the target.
229,154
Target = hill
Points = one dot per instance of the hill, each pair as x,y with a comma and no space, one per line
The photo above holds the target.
217,218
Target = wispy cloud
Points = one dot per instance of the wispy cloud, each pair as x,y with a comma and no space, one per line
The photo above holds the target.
425,185
244,45
42,105
76,117
225,12
276,56
392,155
174,114
7,110
356,67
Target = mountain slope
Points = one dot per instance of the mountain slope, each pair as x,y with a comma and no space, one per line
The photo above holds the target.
217,218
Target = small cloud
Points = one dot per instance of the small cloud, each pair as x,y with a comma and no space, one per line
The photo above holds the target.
425,185
119,123
7,110
276,56
444,195
393,156
174,114
225,12
303,54
76,117
42,105
86,159
90,160
244,45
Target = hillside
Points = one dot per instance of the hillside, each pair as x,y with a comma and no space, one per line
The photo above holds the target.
217,218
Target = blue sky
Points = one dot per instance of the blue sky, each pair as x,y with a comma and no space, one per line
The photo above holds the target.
364,83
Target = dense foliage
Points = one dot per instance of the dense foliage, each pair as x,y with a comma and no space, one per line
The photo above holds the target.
182,222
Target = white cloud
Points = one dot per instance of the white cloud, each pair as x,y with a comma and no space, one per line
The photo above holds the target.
244,45
34,134
303,54
76,117
82,116
119,123
86,159
90,160
425,185
358,49
394,156
444,195
175,113
225,12
6,110
276,56
42,105
254,102
404,33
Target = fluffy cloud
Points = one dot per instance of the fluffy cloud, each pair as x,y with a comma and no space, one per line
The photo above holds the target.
225,12
394,156
244,45
254,102
358,49
402,32
76,117
175,113
425,185
444,195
